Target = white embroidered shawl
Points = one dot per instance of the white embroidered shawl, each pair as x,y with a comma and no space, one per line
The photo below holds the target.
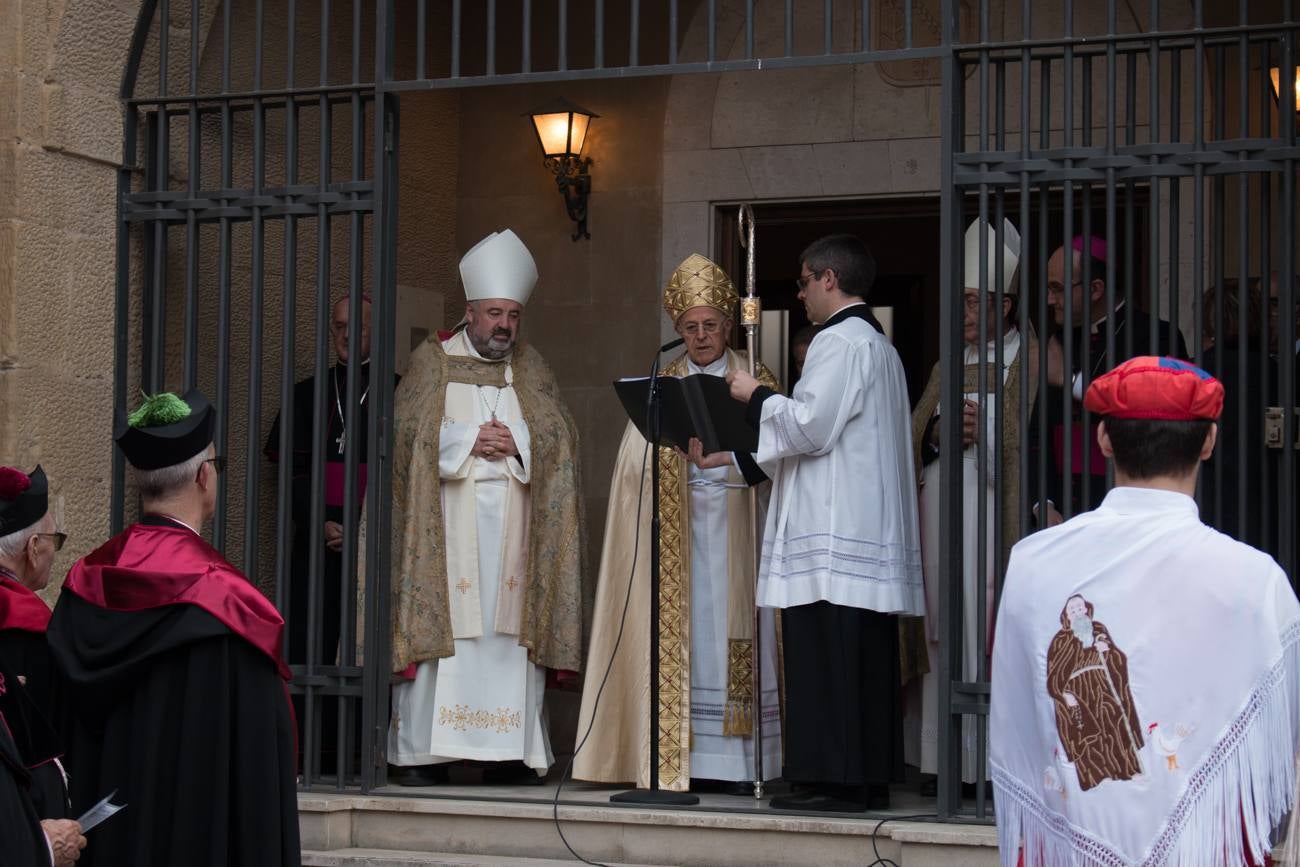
1145,692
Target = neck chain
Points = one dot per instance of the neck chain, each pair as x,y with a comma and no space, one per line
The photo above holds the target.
338,403
492,410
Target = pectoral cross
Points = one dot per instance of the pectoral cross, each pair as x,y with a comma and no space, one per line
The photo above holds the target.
341,438
463,586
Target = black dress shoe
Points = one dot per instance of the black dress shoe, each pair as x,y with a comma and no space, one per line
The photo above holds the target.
877,797
511,774
821,804
418,775
737,788
795,801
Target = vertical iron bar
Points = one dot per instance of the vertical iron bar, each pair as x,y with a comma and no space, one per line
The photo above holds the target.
634,35
252,520
1243,286
1175,194
1153,222
456,14
713,30
490,49
672,31
907,24
526,40
828,19
1287,304
562,29
421,23
122,315
189,376
1265,276
789,28
749,29
950,332
865,14
224,252
1220,243
599,33
157,373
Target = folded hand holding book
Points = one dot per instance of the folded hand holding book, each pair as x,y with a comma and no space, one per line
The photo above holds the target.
698,406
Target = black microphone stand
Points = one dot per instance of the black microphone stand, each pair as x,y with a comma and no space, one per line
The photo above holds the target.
655,795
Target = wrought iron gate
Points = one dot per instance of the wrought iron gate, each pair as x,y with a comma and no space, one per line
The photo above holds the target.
241,171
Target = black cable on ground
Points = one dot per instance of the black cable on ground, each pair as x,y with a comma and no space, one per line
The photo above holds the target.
595,705
875,833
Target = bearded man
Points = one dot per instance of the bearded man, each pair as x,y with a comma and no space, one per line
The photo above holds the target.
487,536
706,617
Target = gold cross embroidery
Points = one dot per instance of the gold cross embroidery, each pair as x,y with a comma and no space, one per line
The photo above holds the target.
463,586
512,583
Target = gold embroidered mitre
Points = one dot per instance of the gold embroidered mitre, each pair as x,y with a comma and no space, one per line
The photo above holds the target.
698,282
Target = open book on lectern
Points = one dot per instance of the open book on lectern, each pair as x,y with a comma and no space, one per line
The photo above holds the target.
699,406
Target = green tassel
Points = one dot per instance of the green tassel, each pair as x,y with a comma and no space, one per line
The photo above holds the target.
157,410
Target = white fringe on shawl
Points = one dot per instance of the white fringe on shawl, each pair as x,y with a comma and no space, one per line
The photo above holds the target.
1247,781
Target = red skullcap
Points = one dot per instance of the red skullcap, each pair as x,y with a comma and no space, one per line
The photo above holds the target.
1156,388
1096,248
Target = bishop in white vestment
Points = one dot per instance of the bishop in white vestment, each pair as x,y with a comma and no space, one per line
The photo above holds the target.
706,591
841,552
485,454
999,486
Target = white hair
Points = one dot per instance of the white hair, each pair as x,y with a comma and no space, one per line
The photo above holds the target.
163,482
11,546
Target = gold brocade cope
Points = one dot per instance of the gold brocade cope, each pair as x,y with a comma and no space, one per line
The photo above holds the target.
912,633
699,282
551,620
618,748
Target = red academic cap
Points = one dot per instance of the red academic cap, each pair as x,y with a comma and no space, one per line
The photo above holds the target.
1158,388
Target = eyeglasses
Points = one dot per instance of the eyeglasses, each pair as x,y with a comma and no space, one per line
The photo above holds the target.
218,464
57,539
804,279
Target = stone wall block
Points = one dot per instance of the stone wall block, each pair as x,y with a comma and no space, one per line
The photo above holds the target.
84,121
727,176
688,123
629,223
8,298
92,43
782,172
915,165
686,176
784,106
854,168
65,191
882,110
685,231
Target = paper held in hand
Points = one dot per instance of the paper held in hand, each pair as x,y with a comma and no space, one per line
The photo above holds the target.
698,406
99,812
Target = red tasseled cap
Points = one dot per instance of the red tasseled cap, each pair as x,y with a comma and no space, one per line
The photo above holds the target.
1156,388
13,482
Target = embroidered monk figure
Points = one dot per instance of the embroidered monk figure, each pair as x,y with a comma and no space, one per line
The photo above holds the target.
1087,678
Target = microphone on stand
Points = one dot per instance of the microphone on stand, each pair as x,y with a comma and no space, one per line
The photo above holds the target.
654,794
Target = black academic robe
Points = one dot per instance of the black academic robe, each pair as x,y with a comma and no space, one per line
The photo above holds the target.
184,716
21,838
31,711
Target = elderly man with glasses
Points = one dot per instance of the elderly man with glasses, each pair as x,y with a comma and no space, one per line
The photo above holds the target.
171,660
29,704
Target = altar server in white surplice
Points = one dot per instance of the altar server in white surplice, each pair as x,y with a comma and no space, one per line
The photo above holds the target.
1000,486
707,607
487,539
841,553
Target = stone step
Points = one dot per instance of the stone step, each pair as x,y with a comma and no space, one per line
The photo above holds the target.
442,825
399,858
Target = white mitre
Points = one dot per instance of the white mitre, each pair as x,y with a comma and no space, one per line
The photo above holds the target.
499,266
1010,258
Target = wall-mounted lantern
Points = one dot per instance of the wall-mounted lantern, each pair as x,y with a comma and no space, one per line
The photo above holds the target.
1275,74
561,131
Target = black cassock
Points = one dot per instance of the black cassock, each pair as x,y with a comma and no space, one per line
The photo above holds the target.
329,605
21,836
190,724
32,711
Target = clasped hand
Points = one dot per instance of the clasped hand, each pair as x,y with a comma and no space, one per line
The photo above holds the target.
494,442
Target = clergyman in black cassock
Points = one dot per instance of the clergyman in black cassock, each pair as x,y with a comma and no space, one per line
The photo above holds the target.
20,827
